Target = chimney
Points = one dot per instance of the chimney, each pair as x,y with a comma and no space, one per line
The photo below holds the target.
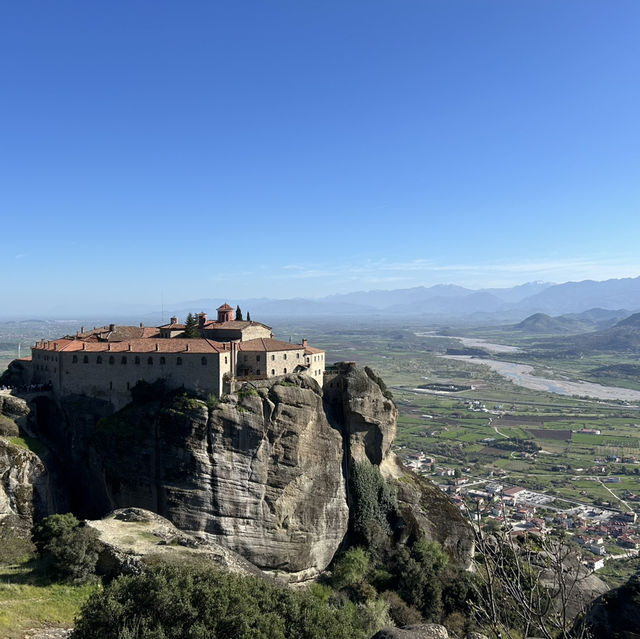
174,320
141,325
157,347
82,329
109,346
112,327
304,342
55,346
129,346
202,318
84,346
187,347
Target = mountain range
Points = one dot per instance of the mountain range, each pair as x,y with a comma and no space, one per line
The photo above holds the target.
446,302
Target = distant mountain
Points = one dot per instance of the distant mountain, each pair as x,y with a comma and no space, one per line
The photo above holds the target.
575,297
543,323
592,320
632,321
448,302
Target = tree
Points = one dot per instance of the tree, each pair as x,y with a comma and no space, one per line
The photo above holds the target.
248,316
239,313
191,327
528,586
71,548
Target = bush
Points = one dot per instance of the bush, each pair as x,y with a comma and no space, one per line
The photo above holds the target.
173,602
71,549
374,504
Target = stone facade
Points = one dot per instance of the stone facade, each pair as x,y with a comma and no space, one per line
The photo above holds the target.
108,362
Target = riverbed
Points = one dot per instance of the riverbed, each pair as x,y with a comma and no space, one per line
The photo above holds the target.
522,374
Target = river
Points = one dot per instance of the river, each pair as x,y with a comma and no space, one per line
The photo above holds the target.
522,374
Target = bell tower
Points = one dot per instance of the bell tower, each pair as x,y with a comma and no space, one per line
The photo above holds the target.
225,313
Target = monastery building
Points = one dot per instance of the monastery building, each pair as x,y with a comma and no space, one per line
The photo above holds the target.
107,362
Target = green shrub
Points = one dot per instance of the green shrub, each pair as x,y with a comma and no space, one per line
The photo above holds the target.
173,602
71,549
374,504
351,569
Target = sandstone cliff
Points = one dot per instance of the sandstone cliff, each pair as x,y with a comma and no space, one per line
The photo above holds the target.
24,481
264,471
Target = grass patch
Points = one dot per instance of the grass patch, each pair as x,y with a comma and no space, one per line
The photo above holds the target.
29,443
28,599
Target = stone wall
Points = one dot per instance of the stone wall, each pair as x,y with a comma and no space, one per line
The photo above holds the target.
105,374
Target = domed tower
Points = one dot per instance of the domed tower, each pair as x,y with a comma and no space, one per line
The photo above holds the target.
225,313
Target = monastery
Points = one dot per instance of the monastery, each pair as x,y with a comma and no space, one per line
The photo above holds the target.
107,362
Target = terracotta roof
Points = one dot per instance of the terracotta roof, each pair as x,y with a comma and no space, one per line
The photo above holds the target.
175,345
267,344
224,307
119,333
173,326
312,350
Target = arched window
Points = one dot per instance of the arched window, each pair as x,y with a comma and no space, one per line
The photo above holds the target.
85,359
203,361
273,357
179,361
285,371
273,371
112,360
74,360
163,360
150,361
99,359
124,359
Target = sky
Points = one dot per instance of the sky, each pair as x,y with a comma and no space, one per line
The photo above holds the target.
155,151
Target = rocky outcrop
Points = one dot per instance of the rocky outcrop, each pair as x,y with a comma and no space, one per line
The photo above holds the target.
131,539
420,631
616,614
24,480
263,472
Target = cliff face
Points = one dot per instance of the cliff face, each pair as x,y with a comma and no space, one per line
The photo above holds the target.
263,472
24,481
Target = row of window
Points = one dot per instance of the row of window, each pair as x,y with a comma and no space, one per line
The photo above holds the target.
136,360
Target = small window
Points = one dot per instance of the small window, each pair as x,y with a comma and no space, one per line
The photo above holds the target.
99,359
163,360
284,356
203,361
137,360
112,360
225,360
150,361
258,371
257,358
179,361
285,371
124,359
273,371
85,359
297,355
74,359
273,357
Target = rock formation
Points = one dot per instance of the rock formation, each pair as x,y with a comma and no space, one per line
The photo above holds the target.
264,471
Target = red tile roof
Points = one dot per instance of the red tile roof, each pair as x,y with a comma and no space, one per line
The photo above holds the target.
312,350
224,307
175,345
233,324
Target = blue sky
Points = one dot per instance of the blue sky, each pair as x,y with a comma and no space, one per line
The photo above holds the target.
163,150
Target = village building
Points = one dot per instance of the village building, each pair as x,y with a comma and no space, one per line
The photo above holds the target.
108,362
